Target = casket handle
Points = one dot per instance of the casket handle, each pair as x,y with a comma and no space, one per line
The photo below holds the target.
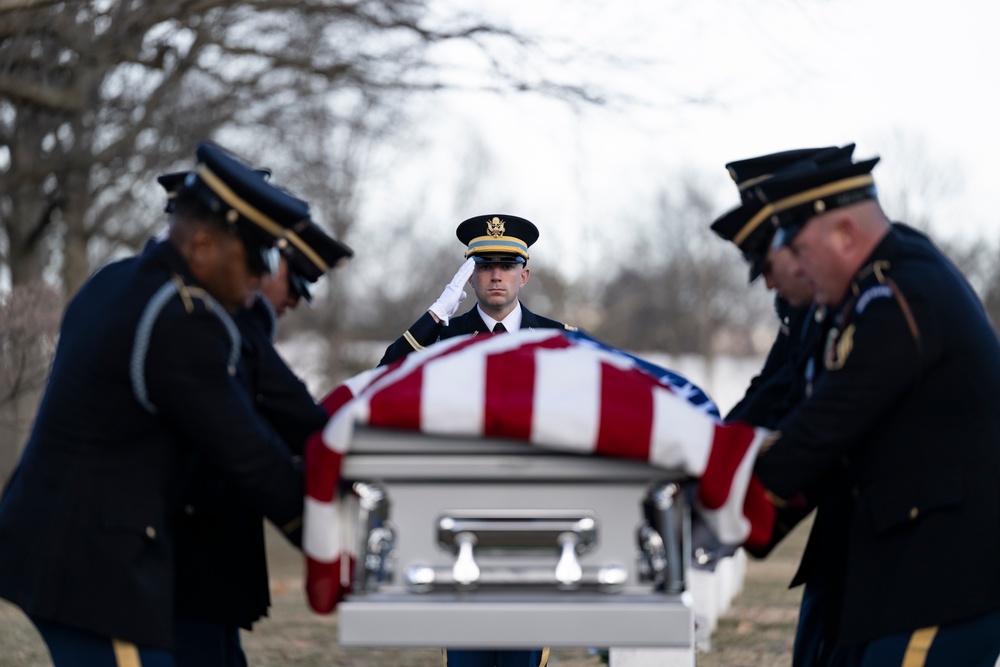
465,571
568,570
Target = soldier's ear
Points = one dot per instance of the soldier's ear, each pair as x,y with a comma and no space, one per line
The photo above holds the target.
525,272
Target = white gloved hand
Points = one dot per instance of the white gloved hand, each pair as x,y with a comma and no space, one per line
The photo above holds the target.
453,293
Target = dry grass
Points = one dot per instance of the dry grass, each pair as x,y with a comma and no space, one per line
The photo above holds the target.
757,631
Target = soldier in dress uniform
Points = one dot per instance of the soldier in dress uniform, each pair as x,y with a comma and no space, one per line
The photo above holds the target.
222,577
905,410
496,266
792,367
780,384
147,374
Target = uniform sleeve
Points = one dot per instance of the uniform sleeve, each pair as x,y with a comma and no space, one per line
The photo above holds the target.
283,399
869,365
196,392
768,388
421,333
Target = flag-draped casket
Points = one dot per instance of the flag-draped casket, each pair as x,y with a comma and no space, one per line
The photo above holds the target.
560,406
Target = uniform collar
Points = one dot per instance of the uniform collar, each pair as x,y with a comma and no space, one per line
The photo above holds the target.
164,252
512,322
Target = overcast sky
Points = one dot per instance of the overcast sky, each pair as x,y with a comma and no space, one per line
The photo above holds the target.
714,81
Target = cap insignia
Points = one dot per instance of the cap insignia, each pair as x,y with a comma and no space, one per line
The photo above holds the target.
494,227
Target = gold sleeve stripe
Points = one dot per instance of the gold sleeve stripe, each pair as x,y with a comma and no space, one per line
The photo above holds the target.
408,337
126,653
919,646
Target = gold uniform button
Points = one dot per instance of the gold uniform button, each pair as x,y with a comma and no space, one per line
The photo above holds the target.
914,512
150,532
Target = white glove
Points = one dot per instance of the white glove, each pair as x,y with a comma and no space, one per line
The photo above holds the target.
453,293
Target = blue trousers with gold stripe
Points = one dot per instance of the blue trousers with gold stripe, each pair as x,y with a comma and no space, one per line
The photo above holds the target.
490,658
972,643
70,647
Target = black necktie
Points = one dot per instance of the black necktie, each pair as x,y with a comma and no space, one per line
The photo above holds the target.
499,328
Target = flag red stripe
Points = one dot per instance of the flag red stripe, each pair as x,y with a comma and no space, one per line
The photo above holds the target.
323,585
729,446
323,466
510,394
398,405
626,422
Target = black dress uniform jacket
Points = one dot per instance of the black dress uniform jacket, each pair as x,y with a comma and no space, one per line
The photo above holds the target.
788,369
222,573
792,366
145,374
908,404
426,331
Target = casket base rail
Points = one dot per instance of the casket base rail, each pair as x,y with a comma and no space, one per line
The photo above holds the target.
486,543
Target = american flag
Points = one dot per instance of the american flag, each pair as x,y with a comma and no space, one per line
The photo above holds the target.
555,389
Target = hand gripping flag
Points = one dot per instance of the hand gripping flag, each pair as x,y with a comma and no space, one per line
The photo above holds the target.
555,389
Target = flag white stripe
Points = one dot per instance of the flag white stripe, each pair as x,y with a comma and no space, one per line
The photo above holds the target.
321,537
567,403
452,398
682,434
728,523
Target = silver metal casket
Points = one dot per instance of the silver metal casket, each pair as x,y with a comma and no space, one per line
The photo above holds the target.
487,543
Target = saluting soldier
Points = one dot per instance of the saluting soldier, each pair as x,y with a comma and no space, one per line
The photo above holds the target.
496,266
147,373
222,576
906,410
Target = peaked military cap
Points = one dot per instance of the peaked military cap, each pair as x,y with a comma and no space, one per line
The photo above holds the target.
750,230
790,199
748,172
259,211
497,238
310,253
173,181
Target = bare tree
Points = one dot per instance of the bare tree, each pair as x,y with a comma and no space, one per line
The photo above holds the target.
681,288
29,322
97,96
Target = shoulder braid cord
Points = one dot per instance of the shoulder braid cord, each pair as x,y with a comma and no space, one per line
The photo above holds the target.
144,330
879,268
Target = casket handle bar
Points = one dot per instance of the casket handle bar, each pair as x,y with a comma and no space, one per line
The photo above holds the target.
503,530
466,533
603,578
